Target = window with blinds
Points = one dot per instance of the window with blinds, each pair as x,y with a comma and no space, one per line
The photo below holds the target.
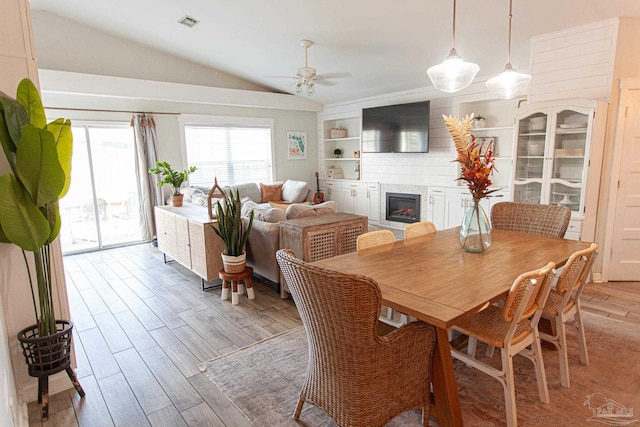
234,154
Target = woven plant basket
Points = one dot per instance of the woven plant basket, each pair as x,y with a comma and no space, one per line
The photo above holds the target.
234,264
47,355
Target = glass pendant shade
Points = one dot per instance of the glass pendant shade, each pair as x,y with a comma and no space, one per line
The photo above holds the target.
509,83
453,74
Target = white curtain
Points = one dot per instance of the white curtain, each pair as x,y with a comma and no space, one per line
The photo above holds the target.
146,142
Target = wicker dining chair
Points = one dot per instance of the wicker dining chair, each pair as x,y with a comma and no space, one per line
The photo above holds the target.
563,306
372,239
544,220
512,328
355,375
419,229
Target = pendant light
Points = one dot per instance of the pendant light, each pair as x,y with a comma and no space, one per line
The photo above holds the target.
453,74
509,83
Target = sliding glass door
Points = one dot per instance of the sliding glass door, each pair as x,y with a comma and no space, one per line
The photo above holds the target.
102,208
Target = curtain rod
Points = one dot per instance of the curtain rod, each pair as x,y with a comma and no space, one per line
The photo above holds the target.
110,111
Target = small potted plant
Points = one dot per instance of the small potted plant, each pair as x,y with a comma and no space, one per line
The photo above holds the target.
173,178
479,121
233,232
337,152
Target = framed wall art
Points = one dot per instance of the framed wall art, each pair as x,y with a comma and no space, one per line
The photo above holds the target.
296,145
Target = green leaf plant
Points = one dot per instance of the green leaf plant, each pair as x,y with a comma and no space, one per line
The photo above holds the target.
173,178
39,155
230,227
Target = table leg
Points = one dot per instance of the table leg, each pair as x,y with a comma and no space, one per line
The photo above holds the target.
446,405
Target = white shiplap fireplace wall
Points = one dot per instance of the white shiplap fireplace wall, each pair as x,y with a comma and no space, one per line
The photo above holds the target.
411,173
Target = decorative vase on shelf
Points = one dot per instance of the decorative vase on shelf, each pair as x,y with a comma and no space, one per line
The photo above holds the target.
475,233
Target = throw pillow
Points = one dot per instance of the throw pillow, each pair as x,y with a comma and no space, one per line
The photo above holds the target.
271,192
295,191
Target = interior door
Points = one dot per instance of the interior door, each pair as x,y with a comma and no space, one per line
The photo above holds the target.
625,251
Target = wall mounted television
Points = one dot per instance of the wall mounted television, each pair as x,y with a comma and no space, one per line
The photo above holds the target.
402,128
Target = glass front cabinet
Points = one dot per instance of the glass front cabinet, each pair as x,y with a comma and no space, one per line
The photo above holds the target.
558,159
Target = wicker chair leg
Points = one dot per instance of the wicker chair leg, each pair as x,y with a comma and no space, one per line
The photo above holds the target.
296,414
425,415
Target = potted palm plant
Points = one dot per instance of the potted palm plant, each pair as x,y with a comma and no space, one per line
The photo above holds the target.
39,155
233,232
173,178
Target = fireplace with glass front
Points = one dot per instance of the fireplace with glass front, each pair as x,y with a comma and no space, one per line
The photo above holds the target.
403,207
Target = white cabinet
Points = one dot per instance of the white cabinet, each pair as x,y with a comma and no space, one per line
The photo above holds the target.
436,207
362,198
349,158
558,152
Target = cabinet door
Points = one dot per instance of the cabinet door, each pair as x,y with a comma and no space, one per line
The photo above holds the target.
531,154
198,251
373,197
360,199
345,199
183,254
171,241
332,192
161,229
436,208
568,157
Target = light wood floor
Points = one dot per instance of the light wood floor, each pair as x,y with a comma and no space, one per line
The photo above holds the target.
142,328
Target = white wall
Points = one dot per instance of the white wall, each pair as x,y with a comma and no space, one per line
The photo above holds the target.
66,45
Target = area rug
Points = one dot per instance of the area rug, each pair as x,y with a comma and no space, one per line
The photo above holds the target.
263,380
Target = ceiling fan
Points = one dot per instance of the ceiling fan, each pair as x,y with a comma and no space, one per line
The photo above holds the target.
307,77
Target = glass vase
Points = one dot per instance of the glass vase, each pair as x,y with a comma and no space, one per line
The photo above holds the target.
475,232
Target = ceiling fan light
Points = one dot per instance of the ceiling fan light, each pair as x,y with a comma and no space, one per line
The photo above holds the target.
453,74
509,83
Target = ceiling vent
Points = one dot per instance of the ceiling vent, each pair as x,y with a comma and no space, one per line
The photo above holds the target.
188,21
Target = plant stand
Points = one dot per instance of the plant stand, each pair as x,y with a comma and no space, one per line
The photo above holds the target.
235,279
46,356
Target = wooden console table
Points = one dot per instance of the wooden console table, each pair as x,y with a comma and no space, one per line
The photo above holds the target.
185,234
318,237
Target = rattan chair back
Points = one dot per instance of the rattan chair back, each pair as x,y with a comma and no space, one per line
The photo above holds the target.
419,229
575,273
544,220
528,294
374,238
356,376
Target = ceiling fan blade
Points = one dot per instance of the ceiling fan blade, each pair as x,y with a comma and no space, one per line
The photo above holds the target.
280,77
340,75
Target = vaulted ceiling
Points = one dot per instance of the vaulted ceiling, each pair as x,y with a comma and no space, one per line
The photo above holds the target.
371,47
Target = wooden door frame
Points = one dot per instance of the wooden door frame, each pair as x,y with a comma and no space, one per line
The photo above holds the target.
624,86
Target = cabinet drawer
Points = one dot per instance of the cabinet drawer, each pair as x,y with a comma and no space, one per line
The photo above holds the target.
575,226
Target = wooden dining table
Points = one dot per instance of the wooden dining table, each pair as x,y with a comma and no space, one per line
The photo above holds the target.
433,279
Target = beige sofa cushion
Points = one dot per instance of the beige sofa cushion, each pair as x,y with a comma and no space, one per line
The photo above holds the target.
300,211
262,213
